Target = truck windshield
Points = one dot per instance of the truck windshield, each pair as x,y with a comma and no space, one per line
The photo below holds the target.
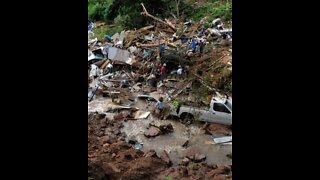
228,105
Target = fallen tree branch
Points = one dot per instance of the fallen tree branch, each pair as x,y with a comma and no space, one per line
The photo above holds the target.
145,13
146,45
208,86
211,65
145,29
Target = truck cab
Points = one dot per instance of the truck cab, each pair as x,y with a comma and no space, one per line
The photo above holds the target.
220,111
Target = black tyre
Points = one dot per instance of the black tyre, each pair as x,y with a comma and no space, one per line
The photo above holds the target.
186,118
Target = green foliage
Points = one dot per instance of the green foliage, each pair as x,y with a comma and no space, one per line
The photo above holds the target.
126,13
99,9
211,10
100,32
92,10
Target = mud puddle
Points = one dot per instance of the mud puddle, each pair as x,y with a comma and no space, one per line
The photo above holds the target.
173,142
99,104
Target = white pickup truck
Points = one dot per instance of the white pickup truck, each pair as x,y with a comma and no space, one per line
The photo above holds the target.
220,111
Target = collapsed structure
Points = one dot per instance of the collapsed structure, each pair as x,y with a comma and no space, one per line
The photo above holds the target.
126,66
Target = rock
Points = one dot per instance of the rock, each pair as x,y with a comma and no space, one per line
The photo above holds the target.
227,168
167,128
185,144
150,153
114,168
184,171
100,116
118,116
196,167
116,132
105,139
199,157
121,116
152,123
106,145
165,157
113,155
131,141
128,156
191,154
185,162
152,132
121,139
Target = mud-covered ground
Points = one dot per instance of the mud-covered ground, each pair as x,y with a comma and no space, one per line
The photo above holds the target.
111,157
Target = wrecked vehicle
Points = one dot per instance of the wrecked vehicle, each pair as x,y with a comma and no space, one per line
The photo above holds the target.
220,111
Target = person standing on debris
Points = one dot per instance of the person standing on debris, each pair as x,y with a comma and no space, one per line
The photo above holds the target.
163,71
193,45
160,105
201,44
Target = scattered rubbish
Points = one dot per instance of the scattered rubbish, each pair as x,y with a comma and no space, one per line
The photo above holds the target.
148,97
225,139
117,54
138,146
141,115
126,78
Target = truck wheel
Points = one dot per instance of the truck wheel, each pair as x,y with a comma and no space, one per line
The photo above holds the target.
186,118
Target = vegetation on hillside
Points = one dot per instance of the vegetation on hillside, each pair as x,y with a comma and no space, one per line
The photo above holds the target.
126,13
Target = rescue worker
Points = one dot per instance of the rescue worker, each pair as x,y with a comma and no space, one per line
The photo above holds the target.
163,71
160,105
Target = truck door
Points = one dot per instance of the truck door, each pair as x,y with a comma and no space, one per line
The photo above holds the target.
221,114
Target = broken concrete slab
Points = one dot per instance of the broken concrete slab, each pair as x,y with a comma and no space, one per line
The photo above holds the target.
117,54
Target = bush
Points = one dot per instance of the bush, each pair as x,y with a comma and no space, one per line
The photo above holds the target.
212,9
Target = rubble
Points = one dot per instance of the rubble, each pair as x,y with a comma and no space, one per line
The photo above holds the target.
152,132
165,158
136,57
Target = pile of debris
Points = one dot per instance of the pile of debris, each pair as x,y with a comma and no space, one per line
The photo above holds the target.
155,130
127,66
131,61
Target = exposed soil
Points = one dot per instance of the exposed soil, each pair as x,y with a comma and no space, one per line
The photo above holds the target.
110,157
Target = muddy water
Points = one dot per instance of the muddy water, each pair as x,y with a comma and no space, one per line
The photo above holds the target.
99,104
172,143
